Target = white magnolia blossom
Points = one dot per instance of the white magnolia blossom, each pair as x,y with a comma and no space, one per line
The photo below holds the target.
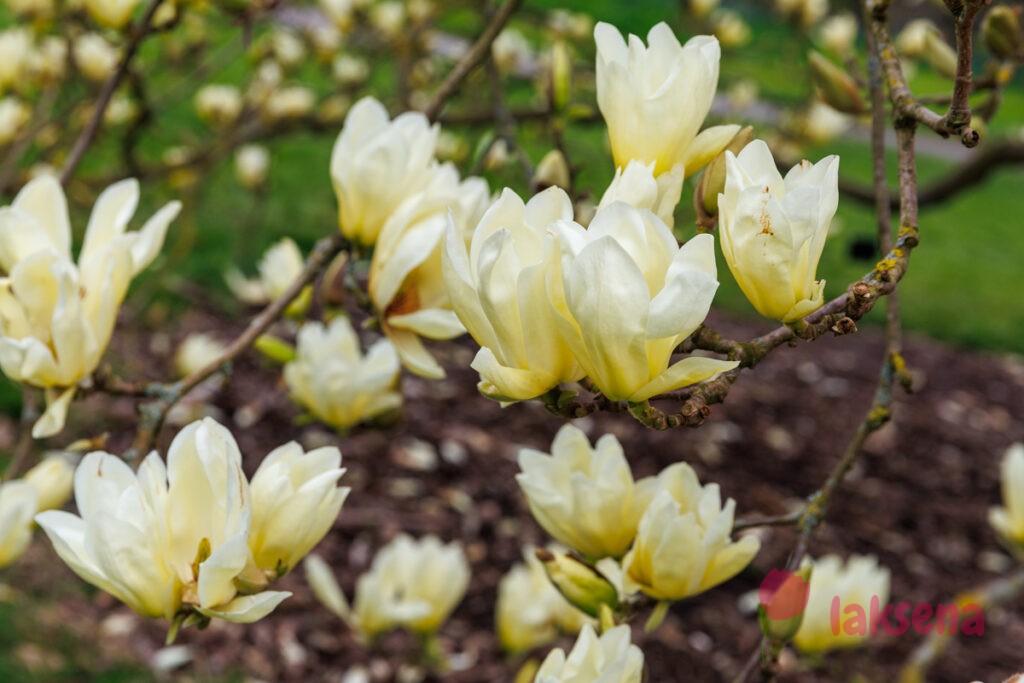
349,69
252,162
191,535
610,658
773,229
413,584
219,105
18,501
838,33
15,51
627,295
112,13
376,164
857,583
332,379
406,285
195,352
530,611
637,186
49,59
584,497
56,316
280,266
1008,521
654,98
683,544
52,479
14,114
290,102
498,289
95,57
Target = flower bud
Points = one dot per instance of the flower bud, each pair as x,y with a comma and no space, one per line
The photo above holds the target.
1008,521
112,13
783,597
939,54
196,352
838,589
712,181
561,75
835,86
14,114
580,583
838,33
552,170
218,105
1002,31
17,506
53,479
95,57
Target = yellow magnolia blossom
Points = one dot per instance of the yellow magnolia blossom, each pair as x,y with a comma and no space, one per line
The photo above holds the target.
610,658
626,295
192,535
498,289
1008,521
683,544
335,382
18,500
773,229
637,186
654,98
280,266
112,13
56,316
530,612
406,284
413,584
834,585
584,497
219,105
53,479
376,164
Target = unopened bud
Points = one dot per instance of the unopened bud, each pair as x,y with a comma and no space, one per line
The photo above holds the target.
561,75
579,583
940,55
835,86
275,349
783,596
552,170
712,182
1002,31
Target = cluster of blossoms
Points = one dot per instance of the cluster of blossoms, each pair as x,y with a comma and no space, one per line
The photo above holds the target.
194,539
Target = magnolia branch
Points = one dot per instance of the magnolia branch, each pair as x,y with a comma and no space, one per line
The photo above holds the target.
138,33
152,414
472,59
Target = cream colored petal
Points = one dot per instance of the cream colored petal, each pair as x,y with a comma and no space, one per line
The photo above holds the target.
414,355
247,609
503,383
52,420
110,215
151,237
708,144
44,199
683,373
217,574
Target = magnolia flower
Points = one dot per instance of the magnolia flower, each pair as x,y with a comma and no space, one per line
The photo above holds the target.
251,165
1009,521
332,379
530,612
350,70
376,164
167,539
637,186
411,584
290,102
627,295
612,658
195,352
49,60
52,479
773,230
838,33
654,98
280,266
112,13
219,105
584,497
295,500
37,7
15,51
388,17
859,583
682,545
406,284
18,500
95,57
14,114
192,535
339,12
498,289
287,47
57,317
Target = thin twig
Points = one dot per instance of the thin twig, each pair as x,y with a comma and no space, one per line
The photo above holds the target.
141,29
152,414
472,59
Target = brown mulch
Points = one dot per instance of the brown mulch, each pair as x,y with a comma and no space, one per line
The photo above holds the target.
918,499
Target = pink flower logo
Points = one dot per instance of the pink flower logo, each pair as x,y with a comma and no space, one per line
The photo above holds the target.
783,594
